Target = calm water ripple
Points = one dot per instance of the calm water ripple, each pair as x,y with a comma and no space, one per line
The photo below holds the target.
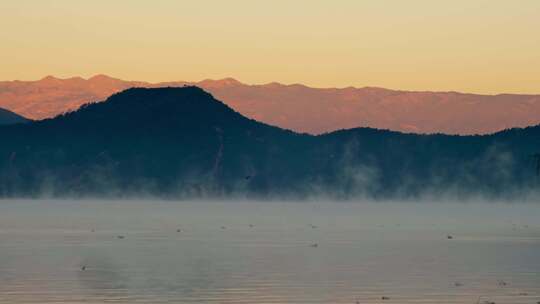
70,252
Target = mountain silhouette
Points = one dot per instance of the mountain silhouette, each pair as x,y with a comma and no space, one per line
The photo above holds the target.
8,118
298,107
182,142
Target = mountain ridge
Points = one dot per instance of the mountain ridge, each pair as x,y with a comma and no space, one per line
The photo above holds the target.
234,81
299,107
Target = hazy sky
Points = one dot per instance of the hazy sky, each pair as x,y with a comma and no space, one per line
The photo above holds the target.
483,46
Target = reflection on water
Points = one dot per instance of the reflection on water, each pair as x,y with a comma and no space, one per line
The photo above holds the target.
69,252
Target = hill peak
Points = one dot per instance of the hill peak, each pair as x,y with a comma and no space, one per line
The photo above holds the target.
220,83
49,78
171,110
165,100
101,78
170,91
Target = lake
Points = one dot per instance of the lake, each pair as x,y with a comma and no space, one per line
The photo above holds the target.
62,251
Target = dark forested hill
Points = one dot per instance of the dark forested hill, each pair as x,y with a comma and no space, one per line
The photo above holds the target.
181,142
8,117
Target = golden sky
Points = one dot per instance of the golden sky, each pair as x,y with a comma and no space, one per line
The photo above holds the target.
476,46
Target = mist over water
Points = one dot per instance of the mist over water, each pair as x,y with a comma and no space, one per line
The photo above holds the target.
54,251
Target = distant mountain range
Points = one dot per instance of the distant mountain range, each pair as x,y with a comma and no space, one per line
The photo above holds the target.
298,107
181,142
8,118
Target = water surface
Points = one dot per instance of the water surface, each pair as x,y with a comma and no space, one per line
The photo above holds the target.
255,252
